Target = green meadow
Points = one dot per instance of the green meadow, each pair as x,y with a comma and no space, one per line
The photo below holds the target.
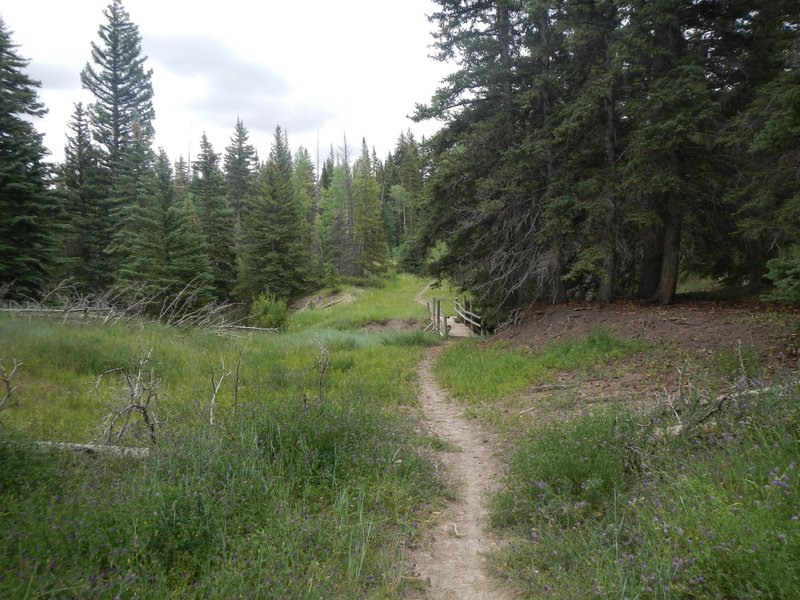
309,482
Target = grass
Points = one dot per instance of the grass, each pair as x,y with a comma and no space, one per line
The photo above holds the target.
600,504
392,299
477,372
286,495
604,503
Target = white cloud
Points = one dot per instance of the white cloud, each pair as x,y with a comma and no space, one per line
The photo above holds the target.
314,67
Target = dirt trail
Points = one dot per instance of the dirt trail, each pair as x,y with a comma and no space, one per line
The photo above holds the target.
451,561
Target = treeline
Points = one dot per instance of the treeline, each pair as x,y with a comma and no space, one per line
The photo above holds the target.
118,214
598,148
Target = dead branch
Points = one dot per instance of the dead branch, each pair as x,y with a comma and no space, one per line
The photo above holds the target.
215,385
102,449
141,391
323,363
8,381
236,382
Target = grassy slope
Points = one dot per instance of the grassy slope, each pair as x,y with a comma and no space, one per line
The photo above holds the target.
284,496
603,505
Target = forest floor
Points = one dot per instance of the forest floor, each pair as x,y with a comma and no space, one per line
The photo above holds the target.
682,337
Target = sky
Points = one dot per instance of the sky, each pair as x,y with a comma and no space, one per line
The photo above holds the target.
321,69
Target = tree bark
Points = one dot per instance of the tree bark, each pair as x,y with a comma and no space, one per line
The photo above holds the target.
651,264
668,281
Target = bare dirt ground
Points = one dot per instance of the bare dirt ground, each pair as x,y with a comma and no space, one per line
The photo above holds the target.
680,338
323,300
450,561
392,325
695,325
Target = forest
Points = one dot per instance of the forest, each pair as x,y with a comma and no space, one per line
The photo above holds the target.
216,379
590,150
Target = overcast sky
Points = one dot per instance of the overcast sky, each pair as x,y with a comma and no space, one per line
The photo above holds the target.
328,66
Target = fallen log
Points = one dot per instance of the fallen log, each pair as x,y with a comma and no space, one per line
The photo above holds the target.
98,449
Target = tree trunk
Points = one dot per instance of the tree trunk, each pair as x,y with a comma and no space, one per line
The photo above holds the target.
651,264
605,292
668,282
758,267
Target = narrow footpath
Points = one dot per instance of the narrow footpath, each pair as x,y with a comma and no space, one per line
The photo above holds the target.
451,558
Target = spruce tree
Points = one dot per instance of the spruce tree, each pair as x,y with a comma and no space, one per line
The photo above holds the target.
87,214
28,209
370,236
305,196
207,190
121,86
164,244
274,253
241,162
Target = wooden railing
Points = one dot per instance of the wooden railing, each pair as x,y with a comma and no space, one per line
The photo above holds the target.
438,323
464,314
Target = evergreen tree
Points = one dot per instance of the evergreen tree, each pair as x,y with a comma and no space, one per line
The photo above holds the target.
216,219
129,248
121,86
304,188
28,209
241,161
369,233
165,249
338,218
181,178
326,173
87,211
274,255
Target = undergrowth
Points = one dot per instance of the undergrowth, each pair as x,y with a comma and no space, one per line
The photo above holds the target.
613,505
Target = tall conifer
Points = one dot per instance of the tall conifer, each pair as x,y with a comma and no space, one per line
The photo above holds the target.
216,218
27,206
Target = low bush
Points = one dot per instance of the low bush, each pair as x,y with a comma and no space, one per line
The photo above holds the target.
268,311
784,271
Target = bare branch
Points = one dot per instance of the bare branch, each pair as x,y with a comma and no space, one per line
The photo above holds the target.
215,385
8,381
141,389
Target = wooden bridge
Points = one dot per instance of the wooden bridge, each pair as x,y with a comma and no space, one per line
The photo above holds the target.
464,324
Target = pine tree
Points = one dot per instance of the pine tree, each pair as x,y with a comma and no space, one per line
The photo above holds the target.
134,218
87,211
164,245
304,188
216,219
121,86
338,218
241,162
27,206
369,233
274,253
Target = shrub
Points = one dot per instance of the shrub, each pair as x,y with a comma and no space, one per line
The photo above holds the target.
268,311
784,272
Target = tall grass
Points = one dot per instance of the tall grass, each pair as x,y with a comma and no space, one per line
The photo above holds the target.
603,507
303,487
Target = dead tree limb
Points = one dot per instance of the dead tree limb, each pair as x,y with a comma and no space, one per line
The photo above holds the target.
323,364
8,381
215,385
141,391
